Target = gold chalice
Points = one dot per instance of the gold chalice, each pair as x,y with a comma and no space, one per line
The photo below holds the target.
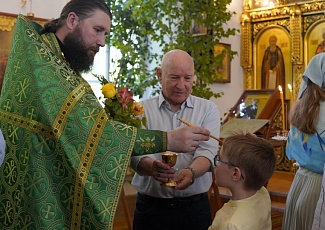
170,159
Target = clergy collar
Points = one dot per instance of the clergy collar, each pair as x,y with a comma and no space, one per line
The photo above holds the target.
62,46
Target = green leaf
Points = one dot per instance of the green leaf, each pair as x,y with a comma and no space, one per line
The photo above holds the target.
137,23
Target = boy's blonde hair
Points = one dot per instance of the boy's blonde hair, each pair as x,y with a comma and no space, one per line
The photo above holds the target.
253,155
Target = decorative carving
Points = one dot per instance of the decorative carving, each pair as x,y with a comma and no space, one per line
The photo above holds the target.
281,2
298,69
245,18
246,57
262,25
246,6
283,10
295,18
295,10
308,21
277,122
296,39
313,6
274,13
7,22
283,163
248,76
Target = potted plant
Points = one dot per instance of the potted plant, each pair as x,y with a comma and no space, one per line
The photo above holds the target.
192,25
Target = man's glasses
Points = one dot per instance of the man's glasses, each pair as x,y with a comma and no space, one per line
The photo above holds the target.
217,160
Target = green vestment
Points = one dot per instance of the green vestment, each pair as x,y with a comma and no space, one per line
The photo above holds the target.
65,161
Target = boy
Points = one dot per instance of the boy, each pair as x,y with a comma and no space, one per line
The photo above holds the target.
244,165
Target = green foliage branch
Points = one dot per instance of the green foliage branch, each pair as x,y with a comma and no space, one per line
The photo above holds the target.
140,25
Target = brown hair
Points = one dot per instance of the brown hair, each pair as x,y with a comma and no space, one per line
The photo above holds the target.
305,113
253,155
83,8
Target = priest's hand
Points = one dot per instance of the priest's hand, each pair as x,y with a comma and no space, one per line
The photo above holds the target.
186,139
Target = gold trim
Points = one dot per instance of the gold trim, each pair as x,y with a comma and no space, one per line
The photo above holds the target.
26,123
164,140
58,123
46,40
84,168
67,106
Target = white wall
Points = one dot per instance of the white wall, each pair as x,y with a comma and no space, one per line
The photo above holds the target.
234,89
51,9
41,8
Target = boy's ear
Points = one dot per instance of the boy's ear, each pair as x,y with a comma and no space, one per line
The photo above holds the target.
236,175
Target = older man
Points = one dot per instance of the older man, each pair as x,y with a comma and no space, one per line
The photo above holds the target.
186,206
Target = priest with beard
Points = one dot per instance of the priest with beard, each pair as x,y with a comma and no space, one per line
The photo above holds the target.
65,161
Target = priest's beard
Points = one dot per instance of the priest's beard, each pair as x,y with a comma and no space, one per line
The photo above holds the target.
77,53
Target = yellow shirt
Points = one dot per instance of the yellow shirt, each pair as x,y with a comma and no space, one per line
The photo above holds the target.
247,214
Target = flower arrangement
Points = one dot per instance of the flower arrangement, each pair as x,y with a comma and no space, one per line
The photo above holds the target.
120,105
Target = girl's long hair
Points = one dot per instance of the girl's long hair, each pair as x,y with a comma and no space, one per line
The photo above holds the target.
305,113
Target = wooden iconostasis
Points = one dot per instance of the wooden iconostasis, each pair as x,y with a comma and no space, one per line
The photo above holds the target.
289,33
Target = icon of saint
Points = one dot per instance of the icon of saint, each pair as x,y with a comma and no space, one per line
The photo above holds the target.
321,46
273,70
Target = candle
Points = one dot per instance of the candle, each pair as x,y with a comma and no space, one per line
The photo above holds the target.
282,106
291,97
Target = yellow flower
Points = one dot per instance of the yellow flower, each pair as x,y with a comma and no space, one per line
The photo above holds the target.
137,108
120,105
108,90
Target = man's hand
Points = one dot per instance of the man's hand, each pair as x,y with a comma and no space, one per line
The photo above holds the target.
186,139
183,179
161,171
